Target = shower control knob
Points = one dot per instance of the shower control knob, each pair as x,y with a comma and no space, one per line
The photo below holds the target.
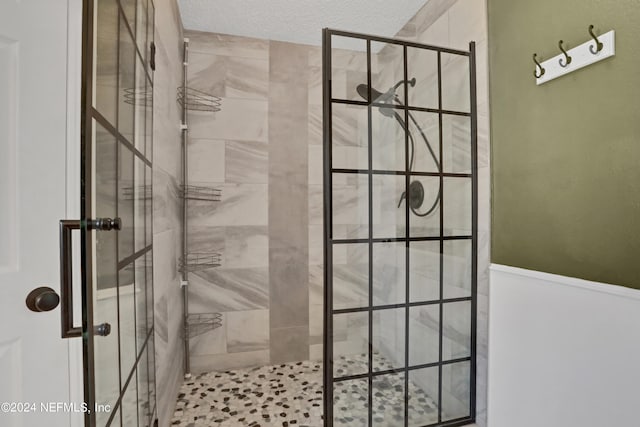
42,299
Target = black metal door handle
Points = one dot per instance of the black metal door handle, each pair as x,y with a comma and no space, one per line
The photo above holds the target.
66,285
42,299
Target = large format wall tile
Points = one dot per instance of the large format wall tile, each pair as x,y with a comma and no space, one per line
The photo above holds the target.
207,160
166,201
316,284
224,44
210,342
238,119
288,201
315,205
239,246
207,73
246,162
241,204
229,76
315,86
228,289
288,63
246,247
316,326
314,132
315,165
206,239
288,288
290,344
247,331
225,361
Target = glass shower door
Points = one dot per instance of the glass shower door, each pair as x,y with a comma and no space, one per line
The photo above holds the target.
116,226
400,232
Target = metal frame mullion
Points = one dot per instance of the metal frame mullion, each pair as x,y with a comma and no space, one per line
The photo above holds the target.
370,37
407,225
399,305
86,204
398,370
474,226
400,239
392,172
115,410
440,150
132,31
116,134
399,107
328,230
370,239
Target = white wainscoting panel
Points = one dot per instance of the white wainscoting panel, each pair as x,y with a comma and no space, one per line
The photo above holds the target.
563,352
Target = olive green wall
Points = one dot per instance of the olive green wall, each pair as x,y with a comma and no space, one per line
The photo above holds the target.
566,154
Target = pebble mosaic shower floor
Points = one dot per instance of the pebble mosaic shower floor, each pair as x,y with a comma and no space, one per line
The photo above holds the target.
291,395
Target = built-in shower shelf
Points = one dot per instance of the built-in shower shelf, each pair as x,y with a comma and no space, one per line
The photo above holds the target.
199,323
197,100
196,261
202,193
141,192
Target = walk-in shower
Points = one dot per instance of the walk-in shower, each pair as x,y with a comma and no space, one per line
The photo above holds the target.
400,284
377,290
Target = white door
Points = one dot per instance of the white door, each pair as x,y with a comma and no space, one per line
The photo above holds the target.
35,361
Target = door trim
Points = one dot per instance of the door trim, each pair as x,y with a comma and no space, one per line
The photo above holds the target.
72,167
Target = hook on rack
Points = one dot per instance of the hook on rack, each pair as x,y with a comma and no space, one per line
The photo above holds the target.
535,72
595,49
598,46
567,58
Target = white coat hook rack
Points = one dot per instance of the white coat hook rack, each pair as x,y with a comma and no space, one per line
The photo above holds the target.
595,50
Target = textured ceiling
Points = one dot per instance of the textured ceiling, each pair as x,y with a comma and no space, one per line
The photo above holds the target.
297,21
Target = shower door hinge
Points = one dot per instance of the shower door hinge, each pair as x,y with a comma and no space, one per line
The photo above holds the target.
183,126
184,283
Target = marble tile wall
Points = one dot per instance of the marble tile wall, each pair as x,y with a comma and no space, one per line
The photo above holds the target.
314,180
166,209
288,202
255,151
229,150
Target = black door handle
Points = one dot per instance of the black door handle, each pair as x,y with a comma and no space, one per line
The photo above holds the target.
66,287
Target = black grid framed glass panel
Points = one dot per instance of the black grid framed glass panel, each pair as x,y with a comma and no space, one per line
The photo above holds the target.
400,221
117,143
